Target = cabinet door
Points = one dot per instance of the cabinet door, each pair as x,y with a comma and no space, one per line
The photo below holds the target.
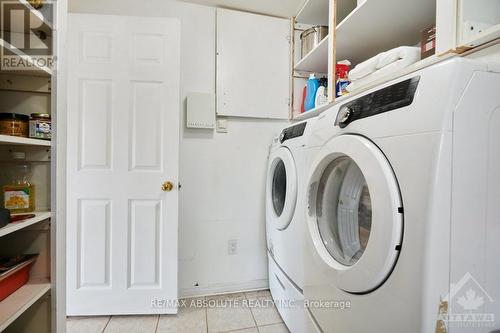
253,65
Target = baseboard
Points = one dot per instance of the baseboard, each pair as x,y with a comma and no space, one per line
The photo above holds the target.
224,288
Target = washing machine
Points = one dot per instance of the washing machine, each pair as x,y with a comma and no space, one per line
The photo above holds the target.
403,207
288,167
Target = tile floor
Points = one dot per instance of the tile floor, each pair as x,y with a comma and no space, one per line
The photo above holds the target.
250,312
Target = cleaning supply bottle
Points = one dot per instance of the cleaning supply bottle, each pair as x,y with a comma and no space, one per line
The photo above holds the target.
303,101
322,93
342,70
312,87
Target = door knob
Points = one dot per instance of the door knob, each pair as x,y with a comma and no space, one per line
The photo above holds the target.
167,186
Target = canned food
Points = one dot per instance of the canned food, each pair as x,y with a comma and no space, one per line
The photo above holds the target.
40,126
14,124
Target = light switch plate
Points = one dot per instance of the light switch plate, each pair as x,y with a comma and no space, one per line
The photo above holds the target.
200,110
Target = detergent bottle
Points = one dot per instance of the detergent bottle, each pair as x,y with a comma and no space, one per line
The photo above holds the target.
312,87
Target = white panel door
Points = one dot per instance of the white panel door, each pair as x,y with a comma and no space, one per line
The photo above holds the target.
123,144
253,65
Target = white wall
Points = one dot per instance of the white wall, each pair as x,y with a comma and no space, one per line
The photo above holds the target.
222,174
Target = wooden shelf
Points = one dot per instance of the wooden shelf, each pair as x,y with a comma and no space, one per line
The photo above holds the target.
314,12
12,227
36,19
408,70
36,69
15,140
316,61
16,304
380,25
484,36
313,113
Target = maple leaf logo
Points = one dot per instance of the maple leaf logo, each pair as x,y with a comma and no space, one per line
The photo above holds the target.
471,301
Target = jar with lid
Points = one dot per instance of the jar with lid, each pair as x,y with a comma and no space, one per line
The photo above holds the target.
40,126
19,194
14,124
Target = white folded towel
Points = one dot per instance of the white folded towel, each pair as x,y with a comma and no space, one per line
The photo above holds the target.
402,52
365,68
379,74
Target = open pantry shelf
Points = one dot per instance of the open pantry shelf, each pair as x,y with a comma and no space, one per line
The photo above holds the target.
314,12
369,30
16,304
36,70
36,19
316,60
12,227
15,140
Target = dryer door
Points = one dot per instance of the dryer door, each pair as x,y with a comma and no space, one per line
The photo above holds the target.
281,193
355,213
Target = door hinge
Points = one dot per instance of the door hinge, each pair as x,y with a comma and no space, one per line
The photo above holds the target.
442,312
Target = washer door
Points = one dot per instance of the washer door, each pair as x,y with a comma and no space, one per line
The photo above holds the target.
281,193
355,213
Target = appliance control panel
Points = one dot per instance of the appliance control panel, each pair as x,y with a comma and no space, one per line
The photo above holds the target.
293,132
387,99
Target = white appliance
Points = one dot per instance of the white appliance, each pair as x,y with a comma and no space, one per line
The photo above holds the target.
403,219
288,168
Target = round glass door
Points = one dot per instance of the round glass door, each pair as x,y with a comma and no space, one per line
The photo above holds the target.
344,211
355,216
281,190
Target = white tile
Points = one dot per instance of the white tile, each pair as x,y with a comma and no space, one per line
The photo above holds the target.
258,294
226,297
132,324
245,330
228,313
263,308
190,319
86,324
264,311
279,328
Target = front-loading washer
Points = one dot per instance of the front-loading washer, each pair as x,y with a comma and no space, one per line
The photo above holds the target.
288,168
402,226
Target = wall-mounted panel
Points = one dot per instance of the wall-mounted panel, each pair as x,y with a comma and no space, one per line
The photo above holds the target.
147,125
95,124
144,243
94,238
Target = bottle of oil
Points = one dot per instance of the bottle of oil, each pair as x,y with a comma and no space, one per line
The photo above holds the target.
19,194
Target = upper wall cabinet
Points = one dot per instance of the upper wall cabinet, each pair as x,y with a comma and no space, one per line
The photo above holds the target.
478,22
253,66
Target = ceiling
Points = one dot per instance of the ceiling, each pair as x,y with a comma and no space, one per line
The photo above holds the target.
280,8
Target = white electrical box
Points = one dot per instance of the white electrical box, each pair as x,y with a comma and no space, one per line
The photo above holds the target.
200,110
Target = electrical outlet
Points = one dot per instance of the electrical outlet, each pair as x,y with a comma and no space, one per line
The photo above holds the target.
221,125
232,247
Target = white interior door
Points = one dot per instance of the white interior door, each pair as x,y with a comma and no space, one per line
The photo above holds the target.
123,144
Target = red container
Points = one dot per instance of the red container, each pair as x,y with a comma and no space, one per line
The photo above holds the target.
15,278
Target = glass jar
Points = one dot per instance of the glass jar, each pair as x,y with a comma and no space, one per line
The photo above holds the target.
14,124
40,126
19,194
